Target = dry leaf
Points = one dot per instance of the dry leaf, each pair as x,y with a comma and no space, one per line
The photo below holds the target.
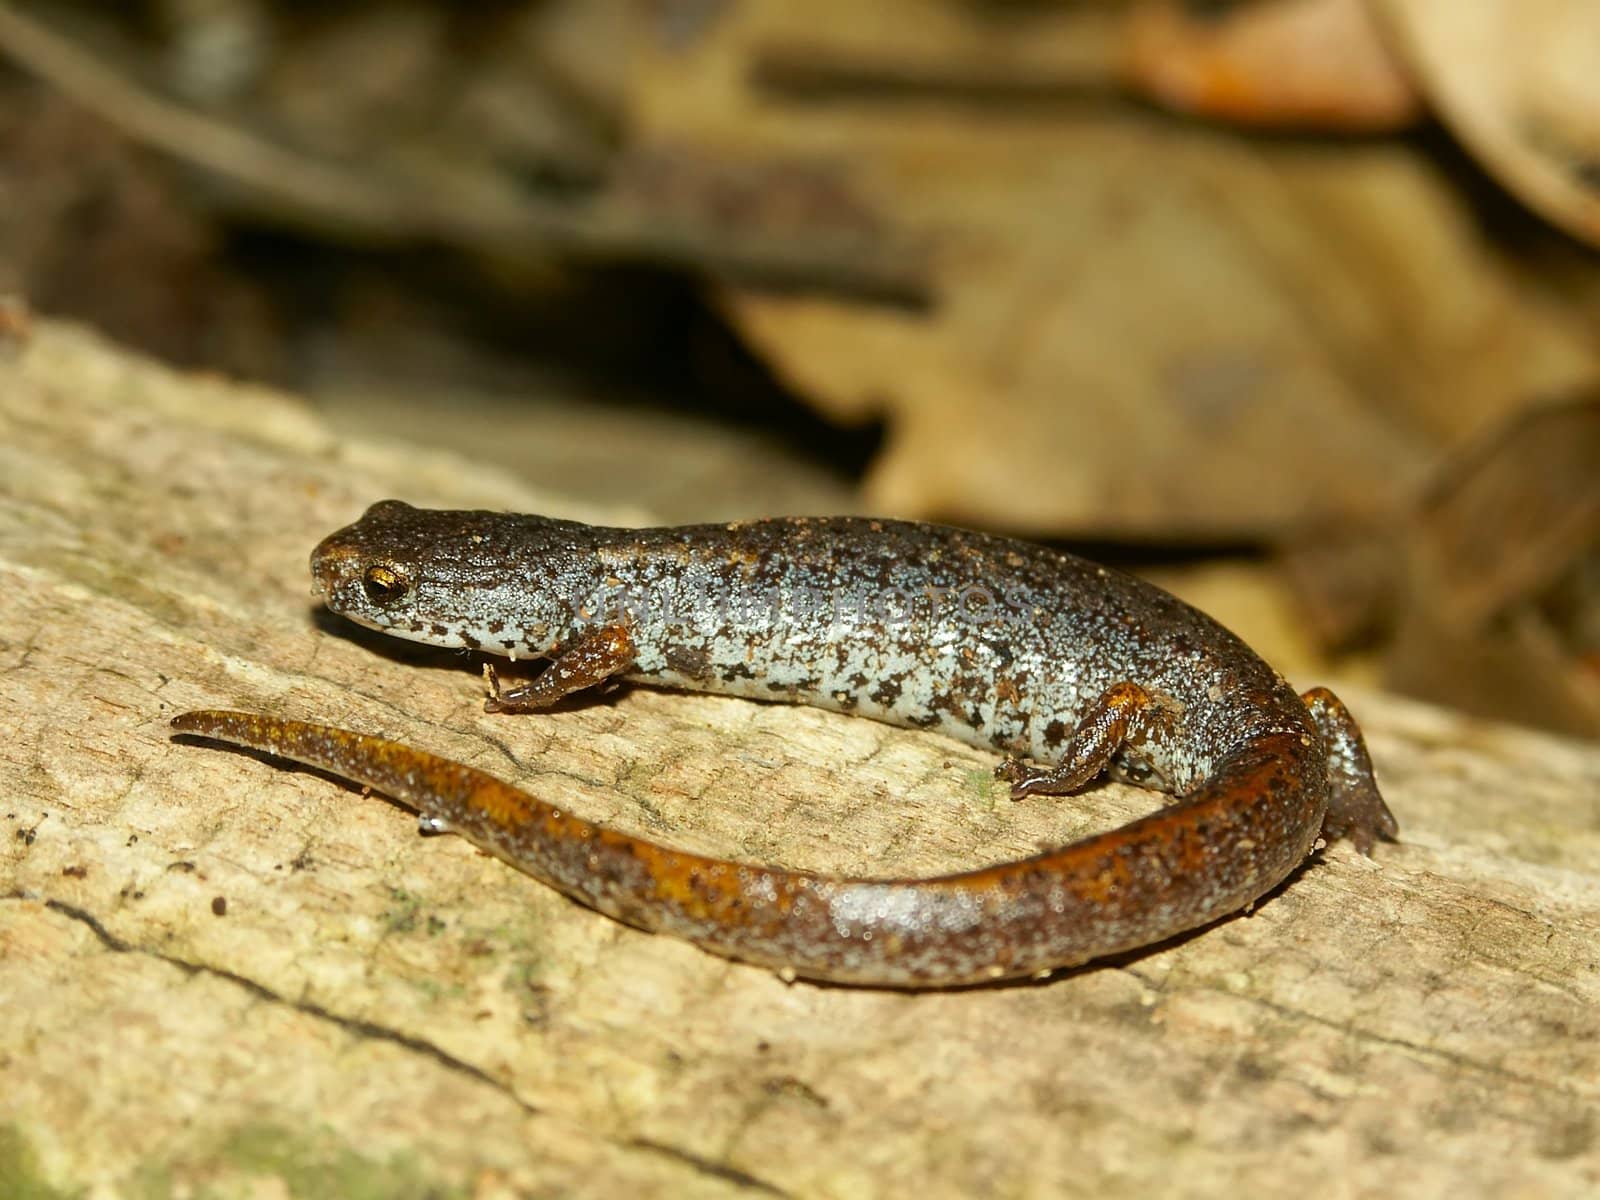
1143,329
1519,82
1501,601
1318,64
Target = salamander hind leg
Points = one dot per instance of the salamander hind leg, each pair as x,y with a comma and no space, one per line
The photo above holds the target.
1121,714
1355,808
593,658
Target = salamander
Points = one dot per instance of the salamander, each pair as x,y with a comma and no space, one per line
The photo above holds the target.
1071,670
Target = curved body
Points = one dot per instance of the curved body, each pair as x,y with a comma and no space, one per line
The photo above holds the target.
996,642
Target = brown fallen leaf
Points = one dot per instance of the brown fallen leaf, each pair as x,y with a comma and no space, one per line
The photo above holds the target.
1501,595
1144,329
1298,64
1518,81
1486,595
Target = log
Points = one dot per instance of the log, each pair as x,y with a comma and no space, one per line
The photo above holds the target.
219,974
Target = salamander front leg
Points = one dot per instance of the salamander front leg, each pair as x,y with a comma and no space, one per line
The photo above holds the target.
1355,808
1117,717
593,658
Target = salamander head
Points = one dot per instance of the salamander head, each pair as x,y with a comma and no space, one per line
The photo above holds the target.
478,580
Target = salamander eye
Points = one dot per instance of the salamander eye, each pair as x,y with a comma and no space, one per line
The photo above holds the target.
383,585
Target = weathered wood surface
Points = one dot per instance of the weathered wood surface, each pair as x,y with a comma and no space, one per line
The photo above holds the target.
222,978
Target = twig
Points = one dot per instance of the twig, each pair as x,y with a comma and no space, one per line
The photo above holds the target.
300,187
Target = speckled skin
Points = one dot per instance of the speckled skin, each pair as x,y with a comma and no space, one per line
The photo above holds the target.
996,642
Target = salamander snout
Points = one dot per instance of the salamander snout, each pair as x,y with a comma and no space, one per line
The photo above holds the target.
351,571
353,585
